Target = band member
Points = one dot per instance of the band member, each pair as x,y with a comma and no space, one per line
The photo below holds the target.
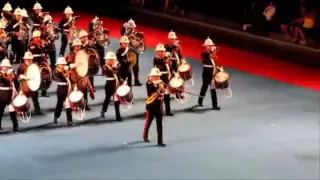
50,35
3,41
155,90
128,27
76,47
66,25
110,70
173,49
36,48
83,35
160,63
19,38
25,20
6,15
28,58
125,71
61,74
36,16
6,92
96,29
209,68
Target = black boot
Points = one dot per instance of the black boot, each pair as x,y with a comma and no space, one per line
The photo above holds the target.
102,114
214,100
69,117
200,101
87,107
137,82
13,117
167,104
37,111
117,110
55,120
44,93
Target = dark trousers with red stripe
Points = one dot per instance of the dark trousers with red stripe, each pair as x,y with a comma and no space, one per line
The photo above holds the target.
154,111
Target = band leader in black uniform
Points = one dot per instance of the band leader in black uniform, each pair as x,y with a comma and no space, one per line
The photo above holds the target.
155,91
125,71
209,68
110,70
83,36
7,78
18,40
63,90
173,48
65,26
36,16
161,63
28,58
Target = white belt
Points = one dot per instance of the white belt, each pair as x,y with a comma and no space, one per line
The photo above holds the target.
164,72
38,55
208,66
110,78
4,88
66,30
36,24
62,83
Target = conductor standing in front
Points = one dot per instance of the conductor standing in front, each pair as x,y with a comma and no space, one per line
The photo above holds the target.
155,92
209,68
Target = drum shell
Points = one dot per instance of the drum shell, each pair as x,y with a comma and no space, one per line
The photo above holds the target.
46,77
24,108
79,104
25,88
93,62
172,90
185,75
126,98
222,85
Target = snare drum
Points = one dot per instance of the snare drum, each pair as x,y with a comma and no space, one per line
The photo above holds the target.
21,103
124,93
185,71
221,80
76,99
175,85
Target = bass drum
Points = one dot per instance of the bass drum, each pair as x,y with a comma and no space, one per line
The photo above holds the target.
46,76
93,62
34,80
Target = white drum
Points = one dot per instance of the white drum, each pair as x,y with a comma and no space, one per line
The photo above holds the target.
76,97
124,93
21,103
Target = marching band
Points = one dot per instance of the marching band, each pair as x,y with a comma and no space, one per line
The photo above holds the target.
74,73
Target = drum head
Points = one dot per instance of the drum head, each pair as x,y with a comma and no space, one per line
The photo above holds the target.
75,96
81,61
20,101
221,77
176,82
34,77
123,90
184,68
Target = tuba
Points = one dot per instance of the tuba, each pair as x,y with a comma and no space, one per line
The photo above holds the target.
154,96
137,41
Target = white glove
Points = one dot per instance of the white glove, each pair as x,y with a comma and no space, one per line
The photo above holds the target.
22,77
10,71
72,66
66,68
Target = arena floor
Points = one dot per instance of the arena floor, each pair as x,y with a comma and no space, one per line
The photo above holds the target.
267,130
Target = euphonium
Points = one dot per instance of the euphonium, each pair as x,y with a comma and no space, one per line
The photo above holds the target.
155,95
